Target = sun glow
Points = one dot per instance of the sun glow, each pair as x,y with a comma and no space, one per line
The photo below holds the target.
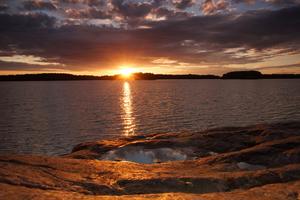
126,72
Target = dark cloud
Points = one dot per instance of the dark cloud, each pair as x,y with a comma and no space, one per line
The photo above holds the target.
131,9
244,1
38,5
3,7
95,2
283,2
183,4
68,1
209,40
279,3
23,23
88,2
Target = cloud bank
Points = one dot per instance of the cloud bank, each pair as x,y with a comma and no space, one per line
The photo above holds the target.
95,35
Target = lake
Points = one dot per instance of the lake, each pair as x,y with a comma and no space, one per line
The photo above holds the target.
51,117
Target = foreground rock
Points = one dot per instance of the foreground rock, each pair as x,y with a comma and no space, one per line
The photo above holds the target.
257,162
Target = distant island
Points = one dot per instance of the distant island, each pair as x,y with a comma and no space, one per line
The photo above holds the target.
257,75
145,76
243,75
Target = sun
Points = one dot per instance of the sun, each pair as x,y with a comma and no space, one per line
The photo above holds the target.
126,72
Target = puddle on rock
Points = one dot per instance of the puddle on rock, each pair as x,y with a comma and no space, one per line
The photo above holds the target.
147,156
247,166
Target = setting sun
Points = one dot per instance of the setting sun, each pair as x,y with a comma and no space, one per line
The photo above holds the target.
126,72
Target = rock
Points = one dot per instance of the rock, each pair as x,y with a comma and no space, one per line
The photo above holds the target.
255,162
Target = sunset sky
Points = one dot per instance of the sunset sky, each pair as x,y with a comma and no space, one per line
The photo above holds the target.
101,37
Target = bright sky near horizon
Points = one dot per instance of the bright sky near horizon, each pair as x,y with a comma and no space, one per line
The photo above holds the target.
102,37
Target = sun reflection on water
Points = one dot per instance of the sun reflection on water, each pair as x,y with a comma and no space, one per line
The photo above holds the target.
128,118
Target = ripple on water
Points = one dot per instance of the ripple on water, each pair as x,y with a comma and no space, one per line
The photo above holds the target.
52,117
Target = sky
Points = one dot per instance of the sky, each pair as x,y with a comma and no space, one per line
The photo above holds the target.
101,37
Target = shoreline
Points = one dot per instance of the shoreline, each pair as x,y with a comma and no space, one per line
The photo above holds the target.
235,75
254,162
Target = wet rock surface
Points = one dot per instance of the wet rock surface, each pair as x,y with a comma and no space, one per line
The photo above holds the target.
255,162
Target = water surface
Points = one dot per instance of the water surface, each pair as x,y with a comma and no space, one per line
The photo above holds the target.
51,117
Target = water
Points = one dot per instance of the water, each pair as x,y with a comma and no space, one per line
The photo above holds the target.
51,117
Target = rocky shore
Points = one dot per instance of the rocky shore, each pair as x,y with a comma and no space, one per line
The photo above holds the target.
255,162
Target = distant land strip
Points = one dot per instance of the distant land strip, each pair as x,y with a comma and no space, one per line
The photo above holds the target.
145,76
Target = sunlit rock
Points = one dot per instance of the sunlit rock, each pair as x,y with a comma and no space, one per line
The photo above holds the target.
256,162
